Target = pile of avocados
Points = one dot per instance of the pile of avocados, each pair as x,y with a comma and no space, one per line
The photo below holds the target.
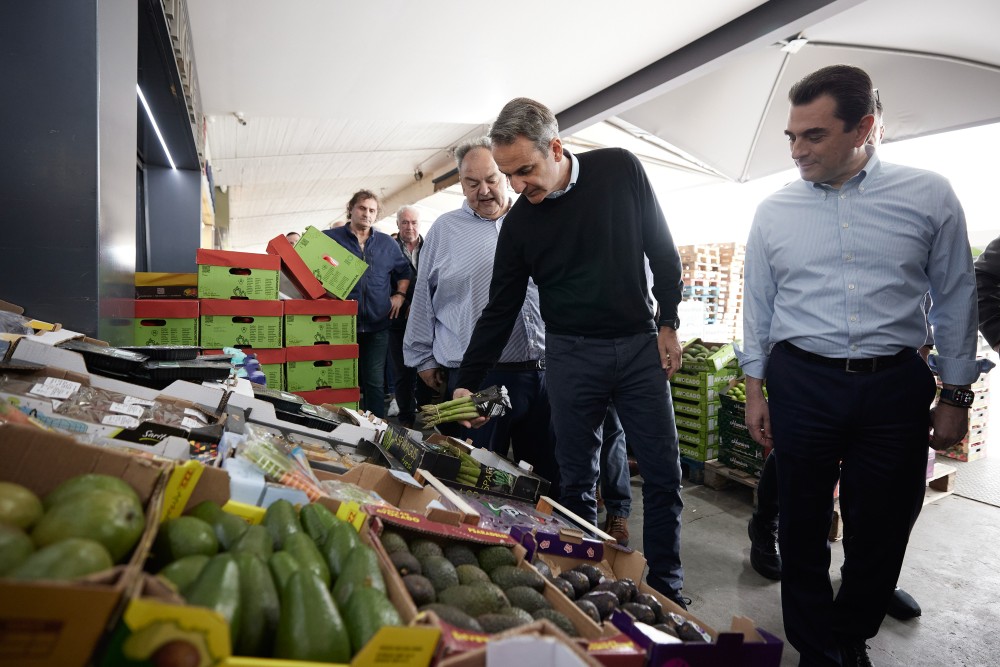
472,587
599,595
699,352
299,586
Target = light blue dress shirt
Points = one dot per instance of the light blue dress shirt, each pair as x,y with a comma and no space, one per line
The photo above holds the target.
453,287
842,273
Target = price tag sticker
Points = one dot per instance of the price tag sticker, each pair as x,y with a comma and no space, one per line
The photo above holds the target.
133,410
55,388
187,422
124,421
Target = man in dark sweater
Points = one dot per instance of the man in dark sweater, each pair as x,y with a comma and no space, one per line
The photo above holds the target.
580,230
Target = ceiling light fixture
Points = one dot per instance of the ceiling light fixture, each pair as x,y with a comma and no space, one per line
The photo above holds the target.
795,45
156,128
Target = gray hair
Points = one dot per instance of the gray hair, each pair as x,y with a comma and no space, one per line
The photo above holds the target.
463,148
522,117
407,207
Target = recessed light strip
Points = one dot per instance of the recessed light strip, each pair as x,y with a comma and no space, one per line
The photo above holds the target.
156,128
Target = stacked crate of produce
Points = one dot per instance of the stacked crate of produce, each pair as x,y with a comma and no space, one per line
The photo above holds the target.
737,449
973,445
695,391
700,272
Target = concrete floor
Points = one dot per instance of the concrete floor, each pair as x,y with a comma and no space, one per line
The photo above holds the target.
952,568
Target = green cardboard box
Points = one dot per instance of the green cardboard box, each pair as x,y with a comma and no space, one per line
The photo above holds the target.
320,322
336,267
708,424
695,409
240,323
701,394
705,379
715,361
321,367
224,274
698,438
699,452
165,322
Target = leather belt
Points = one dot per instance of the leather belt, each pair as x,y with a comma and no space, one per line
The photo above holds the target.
531,365
868,365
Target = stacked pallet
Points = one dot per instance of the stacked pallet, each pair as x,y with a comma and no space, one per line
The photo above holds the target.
730,308
713,275
700,272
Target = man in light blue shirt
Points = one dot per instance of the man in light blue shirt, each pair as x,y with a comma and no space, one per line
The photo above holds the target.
837,267
453,284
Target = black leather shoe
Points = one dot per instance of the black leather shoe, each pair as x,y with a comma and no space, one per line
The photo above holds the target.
902,606
764,556
679,600
854,653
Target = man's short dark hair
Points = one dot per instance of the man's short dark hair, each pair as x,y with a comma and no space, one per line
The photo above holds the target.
850,87
361,195
522,117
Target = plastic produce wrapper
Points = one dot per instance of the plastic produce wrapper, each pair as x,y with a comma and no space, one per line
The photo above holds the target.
280,460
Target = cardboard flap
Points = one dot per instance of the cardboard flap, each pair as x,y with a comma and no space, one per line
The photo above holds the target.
240,260
320,307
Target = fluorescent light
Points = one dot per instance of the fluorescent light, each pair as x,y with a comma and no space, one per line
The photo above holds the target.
156,128
795,45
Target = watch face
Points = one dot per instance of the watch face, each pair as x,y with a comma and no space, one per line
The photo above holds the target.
963,397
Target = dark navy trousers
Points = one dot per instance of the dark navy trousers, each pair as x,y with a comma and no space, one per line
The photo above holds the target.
584,375
871,431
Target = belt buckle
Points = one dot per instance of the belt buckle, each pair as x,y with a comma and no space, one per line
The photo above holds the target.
540,365
872,364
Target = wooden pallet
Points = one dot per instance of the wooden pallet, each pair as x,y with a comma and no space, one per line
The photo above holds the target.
718,476
941,483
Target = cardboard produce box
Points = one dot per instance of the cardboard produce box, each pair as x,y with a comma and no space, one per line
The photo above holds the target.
224,274
714,361
166,285
347,397
165,322
336,267
701,410
295,270
59,624
152,607
743,644
454,639
240,323
323,322
321,367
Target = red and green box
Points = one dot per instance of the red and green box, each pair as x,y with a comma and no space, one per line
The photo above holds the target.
240,323
336,267
165,322
346,397
321,367
225,274
322,322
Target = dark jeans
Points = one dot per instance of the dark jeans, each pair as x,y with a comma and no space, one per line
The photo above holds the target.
526,428
871,431
584,376
616,489
372,349
408,386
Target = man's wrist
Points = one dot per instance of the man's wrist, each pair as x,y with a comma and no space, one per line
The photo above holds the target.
398,293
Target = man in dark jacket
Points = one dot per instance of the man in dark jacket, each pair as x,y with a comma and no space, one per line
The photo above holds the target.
378,301
410,242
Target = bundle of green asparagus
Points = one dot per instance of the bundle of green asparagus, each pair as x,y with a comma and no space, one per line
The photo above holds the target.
490,402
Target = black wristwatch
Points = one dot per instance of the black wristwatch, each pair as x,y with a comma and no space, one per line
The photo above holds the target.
674,323
960,398
402,294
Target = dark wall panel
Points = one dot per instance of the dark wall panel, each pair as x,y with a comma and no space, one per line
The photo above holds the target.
174,218
62,64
